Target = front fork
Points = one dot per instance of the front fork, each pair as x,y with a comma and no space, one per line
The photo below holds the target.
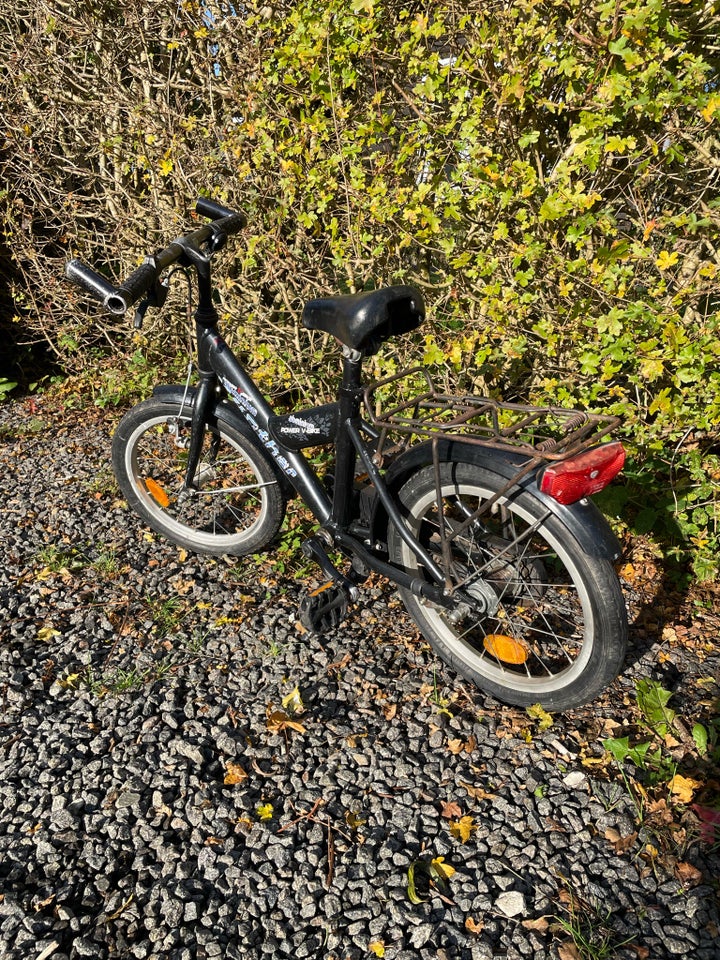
201,409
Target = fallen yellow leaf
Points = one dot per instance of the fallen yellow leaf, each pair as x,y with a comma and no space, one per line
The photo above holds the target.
682,788
293,703
441,869
234,773
463,829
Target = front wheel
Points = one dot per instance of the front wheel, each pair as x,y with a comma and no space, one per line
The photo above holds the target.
235,505
554,625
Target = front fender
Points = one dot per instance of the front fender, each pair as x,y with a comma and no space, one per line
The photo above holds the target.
583,519
224,412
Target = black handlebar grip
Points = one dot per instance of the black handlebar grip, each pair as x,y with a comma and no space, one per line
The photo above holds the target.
86,278
232,224
209,208
232,221
130,290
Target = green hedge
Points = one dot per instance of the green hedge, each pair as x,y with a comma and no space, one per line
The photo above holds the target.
546,172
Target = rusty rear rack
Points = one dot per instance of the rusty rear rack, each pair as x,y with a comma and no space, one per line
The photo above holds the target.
540,433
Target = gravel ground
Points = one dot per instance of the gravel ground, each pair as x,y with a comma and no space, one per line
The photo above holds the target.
138,682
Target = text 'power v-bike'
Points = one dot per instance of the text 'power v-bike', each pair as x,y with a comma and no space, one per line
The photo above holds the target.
477,510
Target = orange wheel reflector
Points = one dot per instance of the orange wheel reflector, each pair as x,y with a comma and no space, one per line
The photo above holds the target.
323,588
505,648
157,492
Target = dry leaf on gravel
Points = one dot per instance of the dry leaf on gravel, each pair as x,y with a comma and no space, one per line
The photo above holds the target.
450,809
234,773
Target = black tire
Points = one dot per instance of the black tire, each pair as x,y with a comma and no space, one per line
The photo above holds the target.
548,601
149,455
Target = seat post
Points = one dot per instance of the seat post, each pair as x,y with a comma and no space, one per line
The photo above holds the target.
349,400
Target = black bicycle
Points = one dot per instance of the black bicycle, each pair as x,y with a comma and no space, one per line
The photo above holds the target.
477,510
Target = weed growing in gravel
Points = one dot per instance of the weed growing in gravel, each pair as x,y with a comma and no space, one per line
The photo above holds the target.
56,559
664,769
196,642
106,563
590,929
27,428
649,756
167,614
118,681
102,483
441,703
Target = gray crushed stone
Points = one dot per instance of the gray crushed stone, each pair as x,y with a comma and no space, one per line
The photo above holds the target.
132,677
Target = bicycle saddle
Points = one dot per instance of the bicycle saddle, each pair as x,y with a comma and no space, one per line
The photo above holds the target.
364,321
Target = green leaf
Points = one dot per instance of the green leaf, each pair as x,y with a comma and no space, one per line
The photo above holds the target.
6,386
532,136
536,712
652,699
645,520
619,748
700,736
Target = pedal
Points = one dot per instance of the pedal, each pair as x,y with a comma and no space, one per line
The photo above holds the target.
324,609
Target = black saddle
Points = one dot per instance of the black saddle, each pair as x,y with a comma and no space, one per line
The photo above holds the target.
364,321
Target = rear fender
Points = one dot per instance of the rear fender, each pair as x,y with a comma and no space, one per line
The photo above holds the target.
222,411
583,520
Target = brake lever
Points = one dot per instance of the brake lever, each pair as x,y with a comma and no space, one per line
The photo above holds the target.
156,297
216,241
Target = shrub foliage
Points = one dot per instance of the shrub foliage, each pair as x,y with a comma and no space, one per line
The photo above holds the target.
547,172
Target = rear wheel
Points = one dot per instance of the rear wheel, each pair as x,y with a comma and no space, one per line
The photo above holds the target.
554,626
236,506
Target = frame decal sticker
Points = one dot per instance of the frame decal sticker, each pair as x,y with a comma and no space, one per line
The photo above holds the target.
249,411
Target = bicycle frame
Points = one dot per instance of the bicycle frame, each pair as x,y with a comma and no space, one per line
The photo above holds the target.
218,366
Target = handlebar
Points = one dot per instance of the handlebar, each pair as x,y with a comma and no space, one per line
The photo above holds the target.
117,300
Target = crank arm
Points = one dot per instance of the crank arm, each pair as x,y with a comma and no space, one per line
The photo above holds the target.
314,549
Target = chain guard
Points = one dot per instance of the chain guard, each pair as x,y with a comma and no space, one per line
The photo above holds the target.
324,609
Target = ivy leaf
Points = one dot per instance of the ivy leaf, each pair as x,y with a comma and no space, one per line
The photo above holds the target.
377,947
265,811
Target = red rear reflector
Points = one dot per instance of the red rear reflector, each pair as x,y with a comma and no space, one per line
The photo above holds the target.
583,475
